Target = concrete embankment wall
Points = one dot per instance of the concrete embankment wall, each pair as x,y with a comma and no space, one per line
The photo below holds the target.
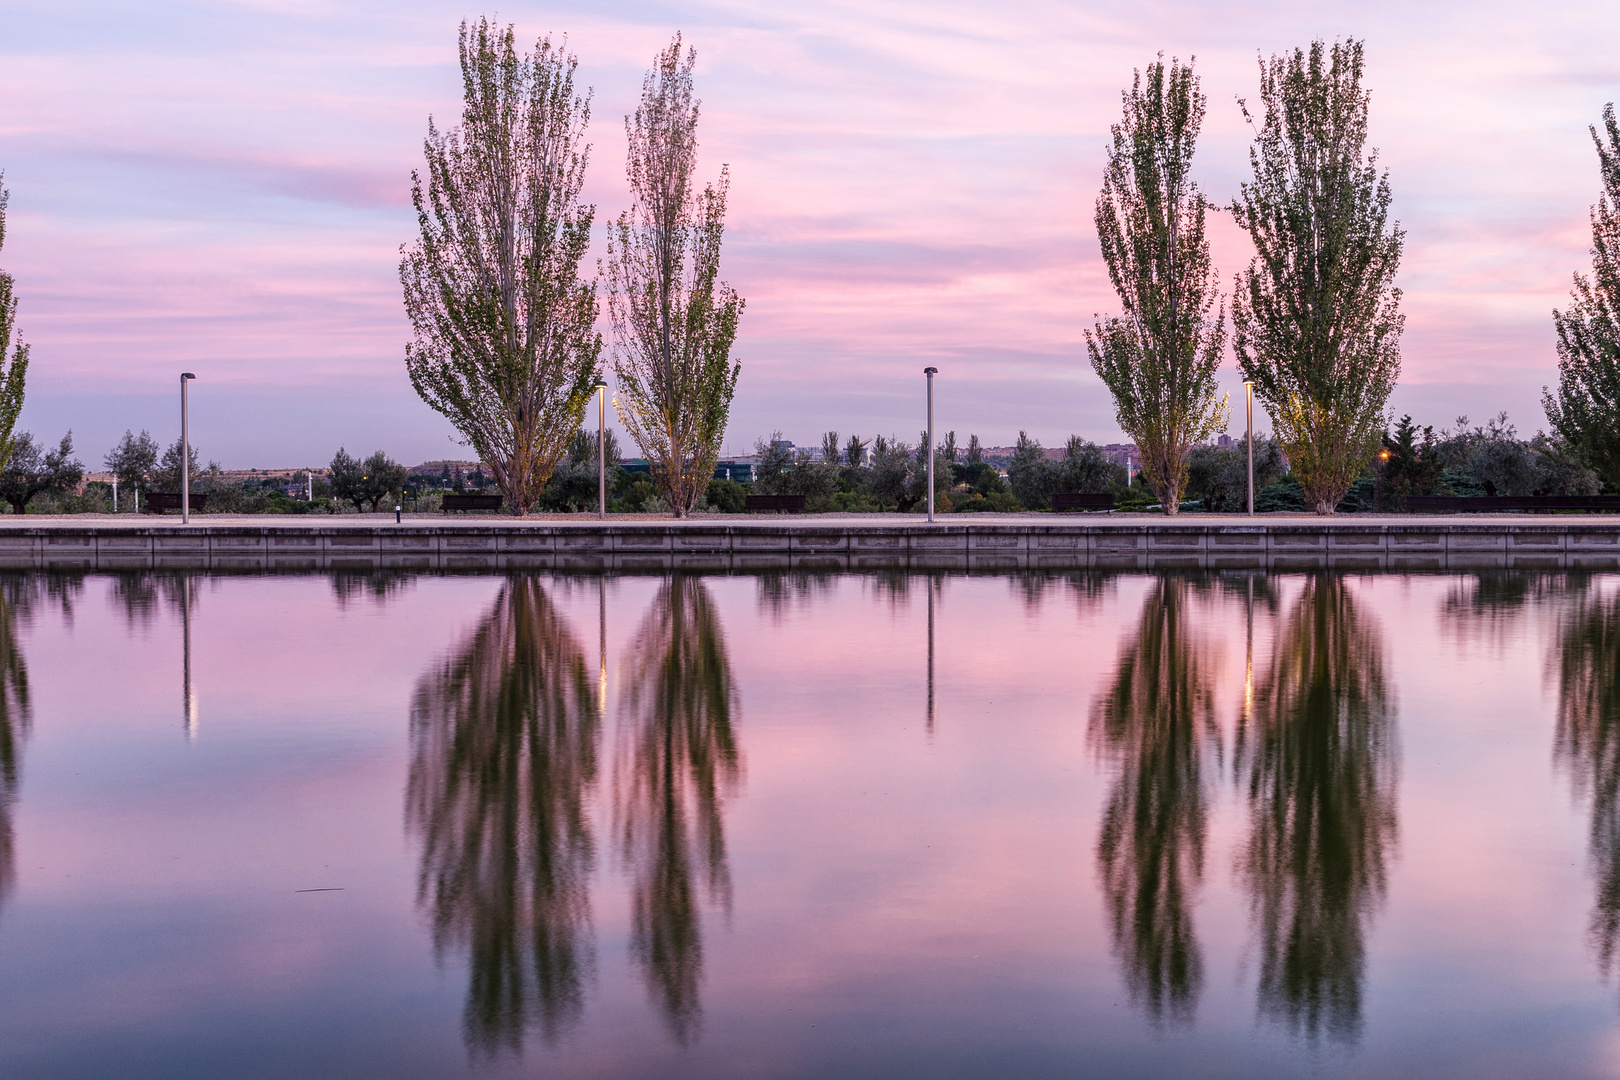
1406,544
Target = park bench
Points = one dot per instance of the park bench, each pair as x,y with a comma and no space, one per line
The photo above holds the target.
155,502
793,504
1072,501
470,502
1490,504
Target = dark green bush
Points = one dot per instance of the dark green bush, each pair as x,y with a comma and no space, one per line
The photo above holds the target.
997,502
848,502
635,498
726,496
1286,494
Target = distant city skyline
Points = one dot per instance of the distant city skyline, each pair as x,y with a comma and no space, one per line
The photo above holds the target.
226,190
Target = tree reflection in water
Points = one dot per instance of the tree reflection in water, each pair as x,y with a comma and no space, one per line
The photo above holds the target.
504,757
1157,723
21,595
677,762
1317,756
140,595
1587,661
380,586
16,715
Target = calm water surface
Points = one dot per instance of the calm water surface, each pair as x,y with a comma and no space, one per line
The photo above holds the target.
847,826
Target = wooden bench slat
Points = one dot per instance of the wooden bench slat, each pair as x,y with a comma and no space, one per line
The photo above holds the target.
154,502
470,502
1085,501
793,503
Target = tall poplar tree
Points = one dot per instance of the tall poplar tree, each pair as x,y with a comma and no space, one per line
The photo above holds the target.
1586,409
505,329
1159,359
1316,315
673,320
13,358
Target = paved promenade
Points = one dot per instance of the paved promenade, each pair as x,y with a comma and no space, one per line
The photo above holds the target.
713,542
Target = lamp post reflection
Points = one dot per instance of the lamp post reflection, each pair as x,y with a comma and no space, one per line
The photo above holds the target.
930,656
1318,758
188,698
1156,722
601,645
677,763
504,739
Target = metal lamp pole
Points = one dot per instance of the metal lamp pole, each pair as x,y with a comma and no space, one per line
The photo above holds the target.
185,451
930,372
1248,409
601,448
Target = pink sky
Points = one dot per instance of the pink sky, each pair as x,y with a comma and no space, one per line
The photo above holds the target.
224,189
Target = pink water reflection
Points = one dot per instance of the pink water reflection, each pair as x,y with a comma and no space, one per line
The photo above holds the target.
704,826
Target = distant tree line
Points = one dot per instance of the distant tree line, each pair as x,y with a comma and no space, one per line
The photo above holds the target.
891,474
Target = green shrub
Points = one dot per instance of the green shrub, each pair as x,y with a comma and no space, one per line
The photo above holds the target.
848,502
1359,498
1286,494
635,498
726,496
997,502
1457,481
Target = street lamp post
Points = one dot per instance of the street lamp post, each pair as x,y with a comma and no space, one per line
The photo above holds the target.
185,451
601,448
930,372
1248,409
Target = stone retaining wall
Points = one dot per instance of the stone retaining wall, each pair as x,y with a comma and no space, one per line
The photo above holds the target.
654,547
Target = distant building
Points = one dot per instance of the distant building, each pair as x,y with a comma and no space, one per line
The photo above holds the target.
1120,453
1125,455
1224,442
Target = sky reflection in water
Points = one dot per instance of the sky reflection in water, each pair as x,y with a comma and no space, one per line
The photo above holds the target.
802,825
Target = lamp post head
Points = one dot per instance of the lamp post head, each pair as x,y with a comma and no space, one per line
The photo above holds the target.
600,384
1249,383
930,371
184,375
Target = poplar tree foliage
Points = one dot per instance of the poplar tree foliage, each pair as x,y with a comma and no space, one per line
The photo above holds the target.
1316,314
505,344
1586,409
13,358
673,320
1160,357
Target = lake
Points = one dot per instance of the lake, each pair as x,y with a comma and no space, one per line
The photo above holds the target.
790,825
